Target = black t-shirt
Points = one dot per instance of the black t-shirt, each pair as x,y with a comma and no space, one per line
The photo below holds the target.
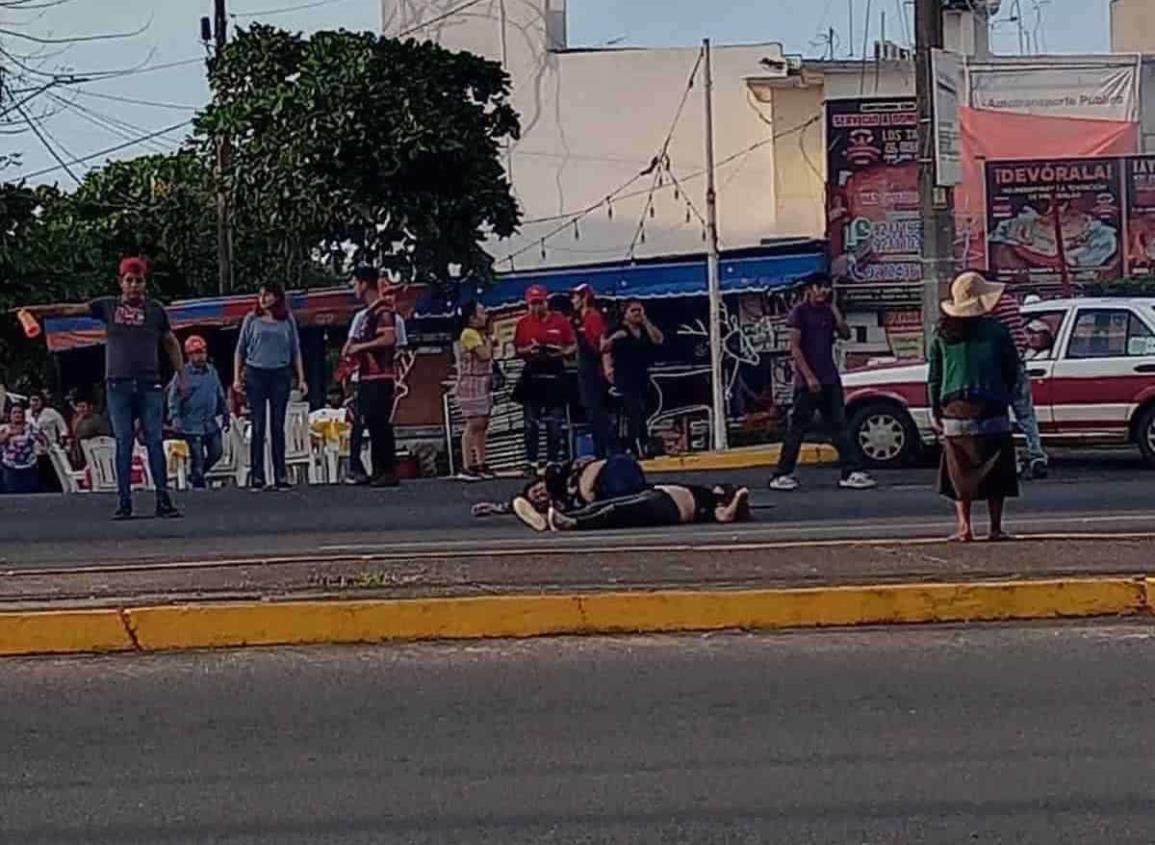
632,359
134,332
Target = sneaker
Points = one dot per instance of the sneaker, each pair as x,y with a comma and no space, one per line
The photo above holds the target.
123,513
1039,469
282,486
165,509
257,486
486,473
858,481
529,515
734,505
385,479
470,474
784,483
357,480
558,521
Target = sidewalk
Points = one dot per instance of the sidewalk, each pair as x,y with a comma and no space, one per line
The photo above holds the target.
533,592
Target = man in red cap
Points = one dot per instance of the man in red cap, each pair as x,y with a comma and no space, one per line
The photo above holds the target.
592,384
543,339
200,412
135,329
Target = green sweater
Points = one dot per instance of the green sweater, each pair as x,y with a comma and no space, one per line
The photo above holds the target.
984,366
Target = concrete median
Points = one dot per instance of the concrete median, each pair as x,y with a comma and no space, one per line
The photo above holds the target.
295,622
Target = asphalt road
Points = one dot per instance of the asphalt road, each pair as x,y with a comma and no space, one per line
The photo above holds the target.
1105,492
1029,734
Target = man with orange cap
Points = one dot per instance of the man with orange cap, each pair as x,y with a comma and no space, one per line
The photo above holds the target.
200,412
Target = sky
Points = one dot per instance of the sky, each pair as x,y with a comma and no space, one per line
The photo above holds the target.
82,120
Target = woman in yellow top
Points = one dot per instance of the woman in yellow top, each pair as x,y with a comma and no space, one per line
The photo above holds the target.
474,388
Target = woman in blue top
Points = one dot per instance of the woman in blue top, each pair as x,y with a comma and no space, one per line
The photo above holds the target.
268,350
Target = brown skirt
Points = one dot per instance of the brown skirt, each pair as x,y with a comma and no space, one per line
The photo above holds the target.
978,467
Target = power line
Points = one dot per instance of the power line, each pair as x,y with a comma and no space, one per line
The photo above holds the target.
120,128
662,160
32,124
469,4
83,159
136,102
621,194
316,4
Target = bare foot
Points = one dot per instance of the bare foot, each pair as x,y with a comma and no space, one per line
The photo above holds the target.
961,537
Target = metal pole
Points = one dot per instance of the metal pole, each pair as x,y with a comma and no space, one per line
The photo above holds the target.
223,156
936,203
712,266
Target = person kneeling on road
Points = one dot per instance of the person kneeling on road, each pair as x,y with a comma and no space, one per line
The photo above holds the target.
592,495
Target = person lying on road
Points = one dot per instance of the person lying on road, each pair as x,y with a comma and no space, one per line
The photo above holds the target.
590,494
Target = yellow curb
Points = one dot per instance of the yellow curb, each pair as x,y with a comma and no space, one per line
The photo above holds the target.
865,605
744,458
63,632
165,628
215,626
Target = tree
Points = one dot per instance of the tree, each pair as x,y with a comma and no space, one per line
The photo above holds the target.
57,247
160,206
342,140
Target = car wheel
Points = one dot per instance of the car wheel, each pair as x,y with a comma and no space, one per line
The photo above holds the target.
1145,435
884,435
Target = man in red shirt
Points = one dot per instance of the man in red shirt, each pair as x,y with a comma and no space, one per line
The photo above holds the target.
543,340
592,385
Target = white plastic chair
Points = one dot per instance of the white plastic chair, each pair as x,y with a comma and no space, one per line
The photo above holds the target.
140,455
299,442
69,478
228,467
177,465
100,459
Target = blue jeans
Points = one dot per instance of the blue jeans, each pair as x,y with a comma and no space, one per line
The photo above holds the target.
132,401
536,415
268,393
1023,404
204,451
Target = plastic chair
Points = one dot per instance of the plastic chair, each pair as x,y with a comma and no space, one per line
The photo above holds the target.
299,442
100,461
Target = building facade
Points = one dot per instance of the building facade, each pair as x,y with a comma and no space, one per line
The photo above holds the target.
594,119
1132,26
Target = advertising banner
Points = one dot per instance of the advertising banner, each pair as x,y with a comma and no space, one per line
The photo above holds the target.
873,223
1055,220
1139,184
1102,89
948,92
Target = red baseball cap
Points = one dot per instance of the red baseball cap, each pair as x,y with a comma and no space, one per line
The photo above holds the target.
133,265
536,293
584,289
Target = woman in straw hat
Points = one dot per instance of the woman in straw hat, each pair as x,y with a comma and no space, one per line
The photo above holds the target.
973,372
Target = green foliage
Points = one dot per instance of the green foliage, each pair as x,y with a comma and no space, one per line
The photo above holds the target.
341,143
347,139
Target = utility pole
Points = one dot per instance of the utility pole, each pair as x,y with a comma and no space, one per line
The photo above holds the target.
216,32
713,276
936,203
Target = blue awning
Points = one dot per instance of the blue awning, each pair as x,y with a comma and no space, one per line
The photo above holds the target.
670,278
